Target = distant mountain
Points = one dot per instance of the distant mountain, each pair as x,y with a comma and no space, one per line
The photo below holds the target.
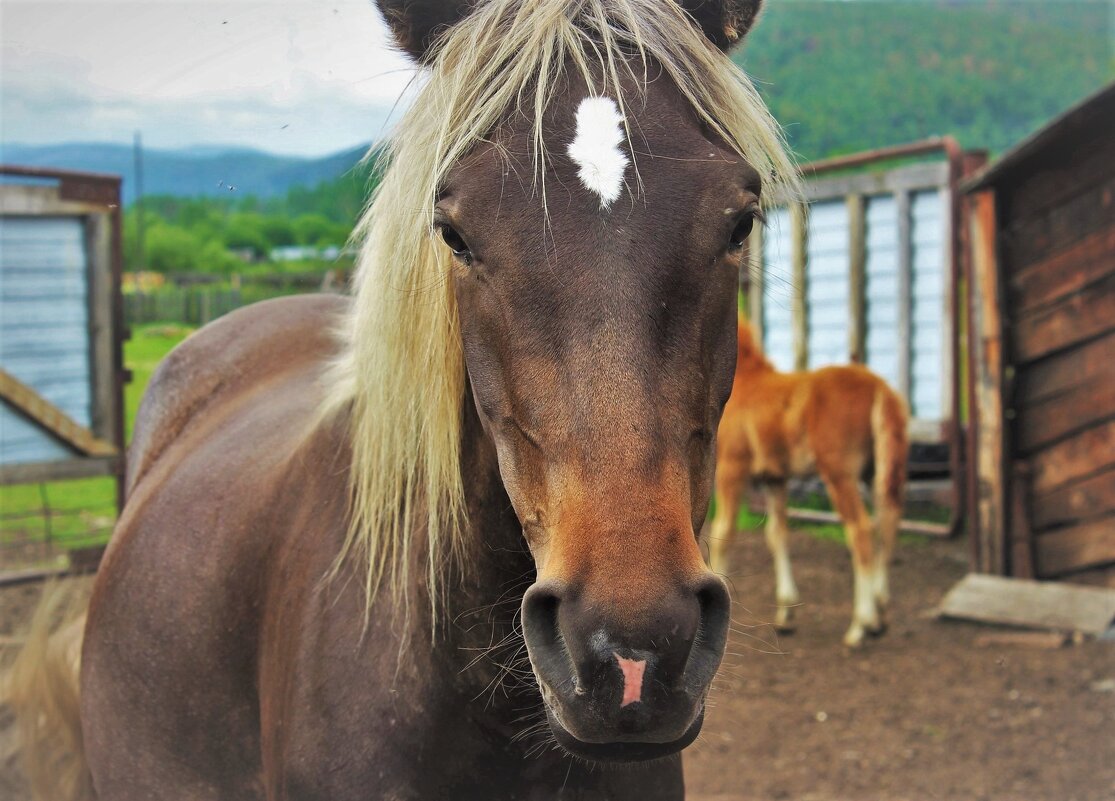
199,170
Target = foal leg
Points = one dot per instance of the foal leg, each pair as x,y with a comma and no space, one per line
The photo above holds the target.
777,532
844,493
730,481
888,517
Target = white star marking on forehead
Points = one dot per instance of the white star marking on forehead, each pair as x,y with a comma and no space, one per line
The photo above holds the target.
596,148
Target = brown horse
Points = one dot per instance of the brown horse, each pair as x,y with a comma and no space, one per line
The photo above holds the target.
346,521
834,422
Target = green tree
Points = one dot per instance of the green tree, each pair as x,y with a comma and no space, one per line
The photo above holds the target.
277,230
170,249
246,230
319,230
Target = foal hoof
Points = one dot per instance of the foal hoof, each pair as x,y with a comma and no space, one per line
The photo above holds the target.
882,622
854,637
784,622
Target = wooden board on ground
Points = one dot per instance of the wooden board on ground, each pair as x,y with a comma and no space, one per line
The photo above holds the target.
1030,604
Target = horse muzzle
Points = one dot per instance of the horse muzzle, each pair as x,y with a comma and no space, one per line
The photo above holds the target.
624,683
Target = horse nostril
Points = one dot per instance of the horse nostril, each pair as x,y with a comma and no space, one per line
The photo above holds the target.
540,610
716,611
540,631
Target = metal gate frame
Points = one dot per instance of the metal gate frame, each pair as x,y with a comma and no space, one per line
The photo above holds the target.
820,185
95,198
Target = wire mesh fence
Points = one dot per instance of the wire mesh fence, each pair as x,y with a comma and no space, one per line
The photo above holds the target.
196,301
51,525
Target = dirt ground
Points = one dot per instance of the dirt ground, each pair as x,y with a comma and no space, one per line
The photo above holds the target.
926,712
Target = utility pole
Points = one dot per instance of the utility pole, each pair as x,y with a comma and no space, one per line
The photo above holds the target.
139,258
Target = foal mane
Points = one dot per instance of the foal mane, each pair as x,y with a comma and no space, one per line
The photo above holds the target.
400,377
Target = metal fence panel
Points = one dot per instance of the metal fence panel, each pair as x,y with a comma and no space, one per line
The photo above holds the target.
44,327
827,285
927,298
901,308
881,288
778,290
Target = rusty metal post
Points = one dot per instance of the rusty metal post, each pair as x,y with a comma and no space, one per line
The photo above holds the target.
799,233
121,334
988,488
961,457
857,278
757,268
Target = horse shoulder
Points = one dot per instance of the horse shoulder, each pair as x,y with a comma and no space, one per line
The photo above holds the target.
227,472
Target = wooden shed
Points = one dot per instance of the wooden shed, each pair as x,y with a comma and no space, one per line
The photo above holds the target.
1042,361
61,327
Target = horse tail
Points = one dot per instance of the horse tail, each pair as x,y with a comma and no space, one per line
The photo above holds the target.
888,428
42,690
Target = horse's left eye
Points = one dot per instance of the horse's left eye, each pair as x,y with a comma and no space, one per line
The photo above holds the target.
741,231
456,243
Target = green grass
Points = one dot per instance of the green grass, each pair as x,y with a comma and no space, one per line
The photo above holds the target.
82,512
747,520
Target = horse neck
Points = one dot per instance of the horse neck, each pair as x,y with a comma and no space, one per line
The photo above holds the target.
495,547
483,600
750,362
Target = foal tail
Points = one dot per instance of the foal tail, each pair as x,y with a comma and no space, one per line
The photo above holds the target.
888,428
42,689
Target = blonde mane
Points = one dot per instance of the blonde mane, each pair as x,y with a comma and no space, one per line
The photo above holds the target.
401,375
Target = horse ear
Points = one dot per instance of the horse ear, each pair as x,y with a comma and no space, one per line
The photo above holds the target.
416,24
725,22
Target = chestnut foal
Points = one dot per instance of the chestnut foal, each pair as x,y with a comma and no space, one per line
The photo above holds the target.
834,422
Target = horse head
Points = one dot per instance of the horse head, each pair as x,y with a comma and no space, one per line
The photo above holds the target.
595,232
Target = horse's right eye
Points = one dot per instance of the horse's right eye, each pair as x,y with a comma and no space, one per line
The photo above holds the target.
741,232
456,243
744,224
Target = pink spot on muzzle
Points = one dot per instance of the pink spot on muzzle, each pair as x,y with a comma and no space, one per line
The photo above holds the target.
633,670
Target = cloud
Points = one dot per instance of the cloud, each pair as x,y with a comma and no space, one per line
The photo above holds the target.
307,78
320,122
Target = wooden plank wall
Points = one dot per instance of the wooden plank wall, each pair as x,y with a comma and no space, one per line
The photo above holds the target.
1057,253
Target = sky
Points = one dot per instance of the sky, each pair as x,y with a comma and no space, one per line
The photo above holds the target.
298,77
